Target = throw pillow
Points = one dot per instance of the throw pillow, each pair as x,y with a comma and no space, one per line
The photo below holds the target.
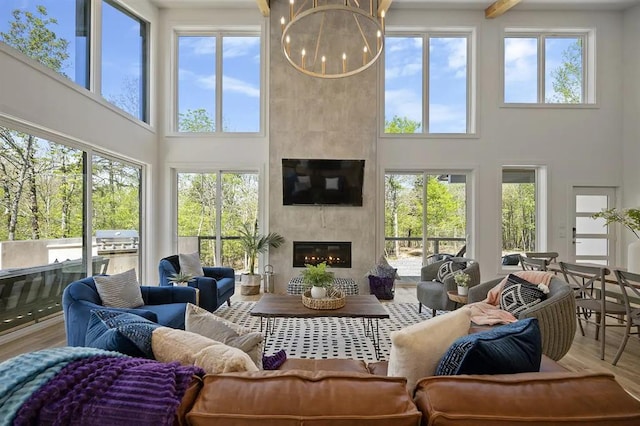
203,322
119,290
188,348
381,287
275,361
417,349
382,261
519,294
190,264
385,271
508,349
122,332
447,268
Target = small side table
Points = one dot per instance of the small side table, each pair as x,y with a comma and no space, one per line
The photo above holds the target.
457,298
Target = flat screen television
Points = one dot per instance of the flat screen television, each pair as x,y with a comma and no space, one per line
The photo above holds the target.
322,182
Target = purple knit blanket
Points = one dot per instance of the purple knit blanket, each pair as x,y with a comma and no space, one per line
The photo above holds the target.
108,390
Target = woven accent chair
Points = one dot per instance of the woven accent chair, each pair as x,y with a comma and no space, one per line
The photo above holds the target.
555,314
630,287
589,287
433,293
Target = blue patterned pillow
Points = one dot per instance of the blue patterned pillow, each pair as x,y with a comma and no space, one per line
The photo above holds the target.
508,349
122,332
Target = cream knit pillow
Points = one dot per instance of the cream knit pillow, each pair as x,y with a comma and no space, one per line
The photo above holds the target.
417,349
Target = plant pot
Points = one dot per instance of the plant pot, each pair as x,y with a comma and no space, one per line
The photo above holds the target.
633,257
250,284
463,291
318,292
180,284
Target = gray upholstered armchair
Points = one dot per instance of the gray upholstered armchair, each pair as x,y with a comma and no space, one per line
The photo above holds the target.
433,293
555,314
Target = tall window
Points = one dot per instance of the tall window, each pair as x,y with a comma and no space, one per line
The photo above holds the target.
218,83
442,105
53,32
124,60
519,211
546,68
425,214
212,207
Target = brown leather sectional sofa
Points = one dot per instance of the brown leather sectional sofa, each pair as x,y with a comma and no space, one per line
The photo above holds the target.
350,393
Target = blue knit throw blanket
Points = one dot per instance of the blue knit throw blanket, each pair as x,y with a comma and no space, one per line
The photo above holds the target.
86,386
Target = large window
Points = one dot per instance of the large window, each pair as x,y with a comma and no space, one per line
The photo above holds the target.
427,83
212,208
547,68
53,32
218,83
425,214
124,60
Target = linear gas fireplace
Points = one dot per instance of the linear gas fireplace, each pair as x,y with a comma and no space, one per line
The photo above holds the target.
336,254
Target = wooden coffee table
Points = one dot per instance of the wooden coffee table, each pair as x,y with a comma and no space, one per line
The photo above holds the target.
367,307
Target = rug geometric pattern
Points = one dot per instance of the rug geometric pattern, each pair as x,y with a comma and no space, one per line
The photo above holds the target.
318,338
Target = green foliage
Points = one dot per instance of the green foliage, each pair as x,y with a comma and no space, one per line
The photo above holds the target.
567,79
518,216
180,278
195,121
29,33
317,276
629,218
254,243
401,125
461,278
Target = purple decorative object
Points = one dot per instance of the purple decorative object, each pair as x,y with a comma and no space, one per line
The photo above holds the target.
381,287
273,362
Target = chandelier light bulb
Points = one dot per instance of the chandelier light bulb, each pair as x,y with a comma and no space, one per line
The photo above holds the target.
282,22
291,10
324,60
344,62
364,55
303,53
288,46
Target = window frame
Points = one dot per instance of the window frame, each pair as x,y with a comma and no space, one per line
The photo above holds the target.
589,99
471,81
219,34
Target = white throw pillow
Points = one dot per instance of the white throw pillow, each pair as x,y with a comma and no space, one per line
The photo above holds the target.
119,290
203,322
188,348
190,264
417,349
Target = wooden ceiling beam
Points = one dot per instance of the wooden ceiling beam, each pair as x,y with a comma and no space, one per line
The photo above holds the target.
263,5
499,8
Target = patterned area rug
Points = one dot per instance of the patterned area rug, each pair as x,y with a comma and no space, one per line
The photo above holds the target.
327,337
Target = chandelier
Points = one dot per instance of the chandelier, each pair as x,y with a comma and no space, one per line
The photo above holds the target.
333,39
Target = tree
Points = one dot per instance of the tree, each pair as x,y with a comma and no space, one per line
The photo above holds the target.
567,79
401,125
195,120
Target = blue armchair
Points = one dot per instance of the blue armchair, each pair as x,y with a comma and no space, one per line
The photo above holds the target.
216,287
163,305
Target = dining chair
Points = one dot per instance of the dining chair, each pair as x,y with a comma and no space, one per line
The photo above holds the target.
590,286
549,256
630,287
532,264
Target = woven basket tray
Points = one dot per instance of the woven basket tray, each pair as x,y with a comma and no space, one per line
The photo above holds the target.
335,300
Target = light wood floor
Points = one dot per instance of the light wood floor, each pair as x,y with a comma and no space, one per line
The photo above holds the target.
583,356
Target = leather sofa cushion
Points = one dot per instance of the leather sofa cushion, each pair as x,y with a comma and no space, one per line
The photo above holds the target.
569,399
287,398
336,364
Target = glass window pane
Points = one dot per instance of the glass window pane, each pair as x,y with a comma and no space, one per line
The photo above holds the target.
241,84
124,47
520,70
239,207
563,70
197,194
519,211
591,203
62,45
587,225
116,192
41,210
196,84
448,85
403,84
446,213
591,247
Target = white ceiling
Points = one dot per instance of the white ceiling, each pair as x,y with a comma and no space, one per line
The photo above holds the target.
435,4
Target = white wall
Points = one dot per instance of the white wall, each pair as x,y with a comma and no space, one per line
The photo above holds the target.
579,146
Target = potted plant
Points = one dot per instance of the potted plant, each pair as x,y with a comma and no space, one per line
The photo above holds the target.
180,279
253,244
462,280
318,278
629,218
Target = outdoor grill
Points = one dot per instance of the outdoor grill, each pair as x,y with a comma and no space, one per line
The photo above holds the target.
117,240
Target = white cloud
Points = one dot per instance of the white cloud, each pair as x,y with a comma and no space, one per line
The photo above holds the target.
446,114
239,46
199,45
403,70
234,85
185,74
206,81
457,56
520,60
403,103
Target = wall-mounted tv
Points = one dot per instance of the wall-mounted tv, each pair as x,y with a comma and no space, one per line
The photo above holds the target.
322,182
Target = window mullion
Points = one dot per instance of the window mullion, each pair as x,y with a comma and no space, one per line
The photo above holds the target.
95,56
219,218
219,88
541,69
426,39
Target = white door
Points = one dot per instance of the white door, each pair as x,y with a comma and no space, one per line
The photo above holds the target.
593,241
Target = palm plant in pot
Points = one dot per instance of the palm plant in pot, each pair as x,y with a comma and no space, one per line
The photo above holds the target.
180,279
318,278
253,244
